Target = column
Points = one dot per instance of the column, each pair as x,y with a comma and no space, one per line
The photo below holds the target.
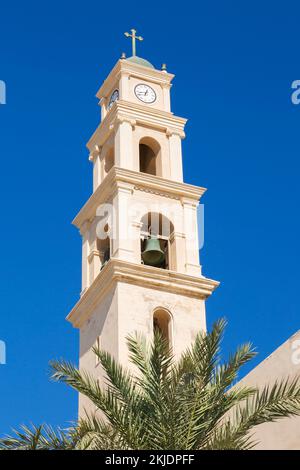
166,96
84,232
97,170
176,172
124,144
124,86
177,252
192,265
94,264
122,243
136,240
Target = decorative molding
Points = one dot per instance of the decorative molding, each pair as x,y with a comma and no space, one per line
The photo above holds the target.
158,193
96,151
122,119
123,187
116,177
139,115
189,202
129,69
170,132
141,275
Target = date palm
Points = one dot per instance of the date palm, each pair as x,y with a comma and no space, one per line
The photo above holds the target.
189,404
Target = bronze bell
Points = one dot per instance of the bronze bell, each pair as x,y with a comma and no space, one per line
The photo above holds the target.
153,255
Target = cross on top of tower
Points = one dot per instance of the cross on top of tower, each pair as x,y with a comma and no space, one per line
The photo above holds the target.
133,37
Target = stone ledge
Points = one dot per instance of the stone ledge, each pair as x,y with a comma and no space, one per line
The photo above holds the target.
140,275
135,179
139,115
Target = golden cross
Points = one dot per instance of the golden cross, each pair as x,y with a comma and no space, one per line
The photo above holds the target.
133,37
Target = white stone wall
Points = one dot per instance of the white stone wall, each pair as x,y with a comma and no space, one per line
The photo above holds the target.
282,363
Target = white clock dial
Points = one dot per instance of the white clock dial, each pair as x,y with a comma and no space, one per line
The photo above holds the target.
114,97
145,93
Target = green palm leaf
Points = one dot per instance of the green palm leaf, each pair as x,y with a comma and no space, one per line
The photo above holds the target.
162,403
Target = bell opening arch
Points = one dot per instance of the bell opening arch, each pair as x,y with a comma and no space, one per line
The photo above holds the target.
108,160
157,249
103,247
162,323
149,156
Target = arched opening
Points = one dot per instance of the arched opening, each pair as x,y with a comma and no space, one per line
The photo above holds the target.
109,160
162,323
147,160
156,248
149,153
103,247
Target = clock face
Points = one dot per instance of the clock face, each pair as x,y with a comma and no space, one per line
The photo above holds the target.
114,97
145,93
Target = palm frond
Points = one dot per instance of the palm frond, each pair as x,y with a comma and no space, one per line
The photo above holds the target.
162,403
41,437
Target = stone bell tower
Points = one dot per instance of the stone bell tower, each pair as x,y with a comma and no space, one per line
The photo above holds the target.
140,250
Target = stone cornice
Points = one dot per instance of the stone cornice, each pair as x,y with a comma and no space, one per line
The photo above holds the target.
136,114
138,274
133,70
118,177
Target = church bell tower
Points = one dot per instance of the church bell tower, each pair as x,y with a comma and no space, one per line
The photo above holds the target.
140,249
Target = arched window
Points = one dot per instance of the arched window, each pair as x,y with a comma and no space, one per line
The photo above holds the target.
149,154
109,160
162,322
156,247
103,246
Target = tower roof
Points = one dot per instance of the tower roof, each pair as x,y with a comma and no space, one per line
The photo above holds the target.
138,60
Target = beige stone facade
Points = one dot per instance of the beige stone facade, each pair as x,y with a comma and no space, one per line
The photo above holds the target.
138,193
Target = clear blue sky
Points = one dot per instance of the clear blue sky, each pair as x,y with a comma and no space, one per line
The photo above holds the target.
234,63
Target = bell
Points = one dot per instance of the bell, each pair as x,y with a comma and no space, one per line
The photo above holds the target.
153,254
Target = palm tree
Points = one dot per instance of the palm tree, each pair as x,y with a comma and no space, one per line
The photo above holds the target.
189,404
41,437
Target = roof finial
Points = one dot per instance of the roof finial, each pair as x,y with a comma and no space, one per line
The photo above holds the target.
133,37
